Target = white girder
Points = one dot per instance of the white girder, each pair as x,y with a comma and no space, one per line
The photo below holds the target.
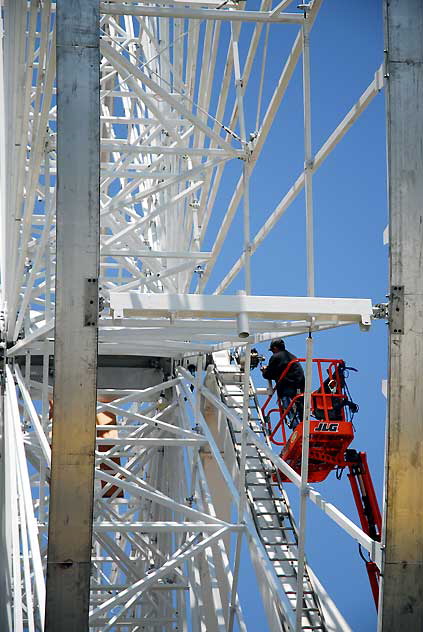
173,89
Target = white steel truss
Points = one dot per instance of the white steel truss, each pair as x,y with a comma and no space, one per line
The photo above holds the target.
172,502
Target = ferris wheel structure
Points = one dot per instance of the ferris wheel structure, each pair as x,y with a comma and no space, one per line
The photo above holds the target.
131,132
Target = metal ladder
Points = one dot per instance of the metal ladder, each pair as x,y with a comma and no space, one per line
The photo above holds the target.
267,500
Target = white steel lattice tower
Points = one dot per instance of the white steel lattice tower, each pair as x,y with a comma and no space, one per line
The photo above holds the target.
183,467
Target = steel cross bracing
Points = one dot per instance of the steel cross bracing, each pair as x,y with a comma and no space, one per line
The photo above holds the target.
167,503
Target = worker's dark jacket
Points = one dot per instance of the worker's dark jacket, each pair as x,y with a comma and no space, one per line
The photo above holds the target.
292,381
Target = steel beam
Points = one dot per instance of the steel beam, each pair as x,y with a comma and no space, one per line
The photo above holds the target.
202,14
78,147
135,303
402,602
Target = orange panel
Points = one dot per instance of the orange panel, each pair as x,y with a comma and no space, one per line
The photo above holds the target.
328,442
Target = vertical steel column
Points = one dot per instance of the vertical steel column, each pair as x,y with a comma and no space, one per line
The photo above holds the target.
78,150
303,488
402,595
308,185
239,87
308,157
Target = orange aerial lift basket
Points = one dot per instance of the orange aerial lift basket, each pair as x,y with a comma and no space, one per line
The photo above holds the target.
331,432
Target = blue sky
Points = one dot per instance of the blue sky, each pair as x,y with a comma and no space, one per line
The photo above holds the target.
350,212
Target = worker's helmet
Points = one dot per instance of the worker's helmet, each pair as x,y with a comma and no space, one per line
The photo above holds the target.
277,343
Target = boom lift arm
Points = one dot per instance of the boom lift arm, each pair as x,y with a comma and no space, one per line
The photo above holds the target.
367,507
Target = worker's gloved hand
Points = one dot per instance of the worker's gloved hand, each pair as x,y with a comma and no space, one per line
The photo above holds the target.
263,367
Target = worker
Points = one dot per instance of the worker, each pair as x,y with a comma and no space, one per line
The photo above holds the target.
292,383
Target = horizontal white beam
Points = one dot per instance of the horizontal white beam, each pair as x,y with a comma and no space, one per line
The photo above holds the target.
173,151
171,586
193,325
154,254
173,339
348,310
150,442
169,348
161,527
183,3
214,336
202,14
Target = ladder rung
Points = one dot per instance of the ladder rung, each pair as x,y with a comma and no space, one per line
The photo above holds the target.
256,469
291,559
277,528
270,515
281,526
277,501
269,498
277,543
281,559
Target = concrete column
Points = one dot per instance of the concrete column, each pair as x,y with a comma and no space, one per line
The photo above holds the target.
75,362
402,599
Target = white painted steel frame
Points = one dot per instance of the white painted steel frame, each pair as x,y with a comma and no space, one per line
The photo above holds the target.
357,311
308,184
164,148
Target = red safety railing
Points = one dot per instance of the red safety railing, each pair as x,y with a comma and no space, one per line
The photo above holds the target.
322,400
